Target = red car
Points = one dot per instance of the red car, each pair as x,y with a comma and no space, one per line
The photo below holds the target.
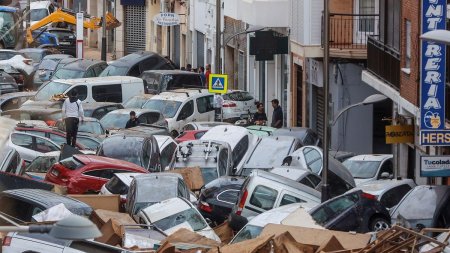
88,173
190,135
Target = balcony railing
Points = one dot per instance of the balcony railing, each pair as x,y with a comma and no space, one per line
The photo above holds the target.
383,61
350,31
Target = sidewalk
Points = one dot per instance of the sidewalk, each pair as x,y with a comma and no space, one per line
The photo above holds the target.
95,54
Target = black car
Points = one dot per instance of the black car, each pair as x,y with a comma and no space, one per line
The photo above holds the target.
218,197
47,68
99,109
355,211
14,100
7,83
22,204
306,135
81,68
157,81
67,41
136,63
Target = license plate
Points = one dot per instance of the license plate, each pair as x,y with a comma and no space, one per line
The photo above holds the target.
55,173
64,43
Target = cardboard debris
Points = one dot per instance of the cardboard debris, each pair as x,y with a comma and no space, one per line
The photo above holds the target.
224,232
188,237
111,233
54,213
100,217
192,177
318,237
105,202
285,243
249,246
332,245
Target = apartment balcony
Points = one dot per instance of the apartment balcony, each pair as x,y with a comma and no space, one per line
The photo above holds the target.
383,61
349,33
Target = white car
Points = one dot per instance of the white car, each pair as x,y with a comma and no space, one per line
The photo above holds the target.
175,213
240,139
40,10
182,106
366,168
237,104
202,125
167,149
18,62
291,215
31,146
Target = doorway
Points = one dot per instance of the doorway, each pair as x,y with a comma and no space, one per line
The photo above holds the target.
299,95
381,111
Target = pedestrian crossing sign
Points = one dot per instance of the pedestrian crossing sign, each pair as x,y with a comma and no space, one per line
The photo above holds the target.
218,83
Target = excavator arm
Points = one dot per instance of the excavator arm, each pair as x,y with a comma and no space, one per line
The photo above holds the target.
62,16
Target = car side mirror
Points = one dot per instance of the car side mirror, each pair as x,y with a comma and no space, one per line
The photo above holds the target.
107,132
233,171
385,175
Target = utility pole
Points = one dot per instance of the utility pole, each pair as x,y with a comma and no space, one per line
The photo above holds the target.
326,90
28,19
103,56
218,35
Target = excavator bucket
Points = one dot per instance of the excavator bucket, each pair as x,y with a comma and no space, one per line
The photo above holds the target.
111,21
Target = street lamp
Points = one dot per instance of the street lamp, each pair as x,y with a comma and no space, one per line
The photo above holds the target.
250,29
438,36
372,99
73,227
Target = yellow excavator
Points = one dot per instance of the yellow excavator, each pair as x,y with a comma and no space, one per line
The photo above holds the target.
61,15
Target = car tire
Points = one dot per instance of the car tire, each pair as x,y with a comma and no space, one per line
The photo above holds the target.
174,134
379,224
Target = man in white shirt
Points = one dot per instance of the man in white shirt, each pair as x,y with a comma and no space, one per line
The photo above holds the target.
72,112
218,103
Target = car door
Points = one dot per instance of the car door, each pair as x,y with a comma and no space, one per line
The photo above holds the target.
386,166
393,196
91,181
44,145
262,199
205,109
312,158
343,213
185,115
23,143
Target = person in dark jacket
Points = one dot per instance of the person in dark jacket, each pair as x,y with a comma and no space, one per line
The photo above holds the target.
133,121
277,116
260,117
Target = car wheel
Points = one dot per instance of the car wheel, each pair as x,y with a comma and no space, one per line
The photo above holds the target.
379,224
174,134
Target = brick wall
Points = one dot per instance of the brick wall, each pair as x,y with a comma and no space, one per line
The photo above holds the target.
409,83
341,6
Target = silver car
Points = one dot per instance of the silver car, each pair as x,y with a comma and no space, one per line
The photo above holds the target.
31,146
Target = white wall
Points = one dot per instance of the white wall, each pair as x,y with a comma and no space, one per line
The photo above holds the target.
305,20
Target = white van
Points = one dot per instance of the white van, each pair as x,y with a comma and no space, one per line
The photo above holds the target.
95,89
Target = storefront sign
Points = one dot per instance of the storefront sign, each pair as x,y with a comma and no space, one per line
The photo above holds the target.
435,166
399,134
435,138
166,19
432,103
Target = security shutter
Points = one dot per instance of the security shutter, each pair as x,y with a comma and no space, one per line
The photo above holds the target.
200,49
176,44
320,110
135,20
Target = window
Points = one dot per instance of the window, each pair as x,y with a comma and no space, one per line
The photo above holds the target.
146,154
327,212
390,23
167,155
22,140
57,139
306,182
264,197
44,146
367,24
147,64
99,113
38,133
134,71
99,69
205,104
386,167
240,150
228,196
289,199
186,111
223,161
107,93
313,159
81,90
182,189
408,44
105,173
149,118
314,179
199,135
393,196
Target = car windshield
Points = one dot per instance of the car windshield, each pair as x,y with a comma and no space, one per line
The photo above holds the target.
112,70
150,191
114,120
35,56
189,217
63,73
116,186
269,153
135,102
38,14
420,203
129,150
247,233
48,90
362,169
167,107
41,164
48,64
91,127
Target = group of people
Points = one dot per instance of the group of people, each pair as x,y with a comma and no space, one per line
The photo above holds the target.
260,117
203,71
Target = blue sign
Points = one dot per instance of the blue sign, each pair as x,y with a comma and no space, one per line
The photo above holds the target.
432,102
218,83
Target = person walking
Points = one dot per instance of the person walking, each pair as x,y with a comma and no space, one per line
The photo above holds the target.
201,71
260,117
207,73
72,112
218,103
133,121
277,116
